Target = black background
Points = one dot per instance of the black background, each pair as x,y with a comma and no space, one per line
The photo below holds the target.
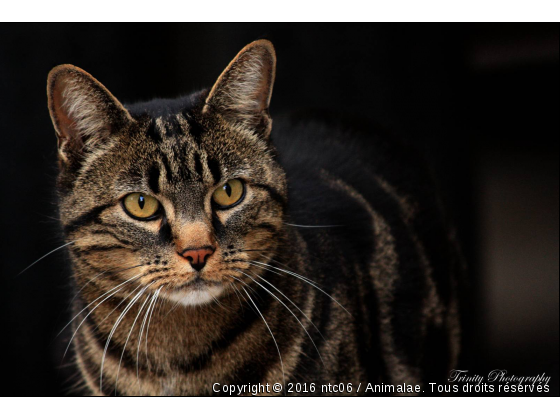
480,100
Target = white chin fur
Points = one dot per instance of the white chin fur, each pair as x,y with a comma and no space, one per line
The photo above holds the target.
195,297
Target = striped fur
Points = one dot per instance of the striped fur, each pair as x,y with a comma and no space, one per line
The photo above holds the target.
337,266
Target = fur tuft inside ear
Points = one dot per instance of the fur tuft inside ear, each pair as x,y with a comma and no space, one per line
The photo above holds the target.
84,113
242,92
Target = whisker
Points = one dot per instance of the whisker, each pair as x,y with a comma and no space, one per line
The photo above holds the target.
123,300
243,287
219,304
310,282
266,268
289,300
281,263
140,337
44,256
236,294
271,334
95,300
120,269
85,317
115,326
294,315
313,226
88,282
270,268
175,306
243,284
149,322
248,285
128,337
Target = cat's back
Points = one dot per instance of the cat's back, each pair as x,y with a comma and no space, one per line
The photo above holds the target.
340,174
368,210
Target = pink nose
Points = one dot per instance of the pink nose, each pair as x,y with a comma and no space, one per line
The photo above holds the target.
197,257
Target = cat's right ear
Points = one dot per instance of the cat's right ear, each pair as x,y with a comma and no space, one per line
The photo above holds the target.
84,113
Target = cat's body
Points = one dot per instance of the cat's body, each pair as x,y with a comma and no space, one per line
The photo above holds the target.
345,232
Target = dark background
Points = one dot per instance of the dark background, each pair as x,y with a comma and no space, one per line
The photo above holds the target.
480,101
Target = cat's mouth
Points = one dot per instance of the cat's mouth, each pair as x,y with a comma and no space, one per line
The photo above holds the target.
198,283
196,292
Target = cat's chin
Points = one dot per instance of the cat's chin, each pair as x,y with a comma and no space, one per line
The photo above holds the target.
195,297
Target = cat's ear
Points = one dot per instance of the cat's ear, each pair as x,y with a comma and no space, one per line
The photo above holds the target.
84,113
242,92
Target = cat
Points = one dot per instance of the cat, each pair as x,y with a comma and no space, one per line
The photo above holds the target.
209,249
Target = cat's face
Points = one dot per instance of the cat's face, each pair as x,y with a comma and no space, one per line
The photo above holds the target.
182,202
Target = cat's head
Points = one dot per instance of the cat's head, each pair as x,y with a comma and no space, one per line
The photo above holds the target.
181,200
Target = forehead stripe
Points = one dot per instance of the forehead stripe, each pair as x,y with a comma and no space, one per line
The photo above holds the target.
198,170
153,132
153,178
214,168
195,128
167,168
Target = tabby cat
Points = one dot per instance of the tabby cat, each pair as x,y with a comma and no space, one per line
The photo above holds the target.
209,249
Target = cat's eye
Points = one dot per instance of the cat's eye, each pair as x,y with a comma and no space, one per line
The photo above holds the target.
229,194
141,206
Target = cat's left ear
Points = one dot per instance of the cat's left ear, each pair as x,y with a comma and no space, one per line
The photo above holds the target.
242,92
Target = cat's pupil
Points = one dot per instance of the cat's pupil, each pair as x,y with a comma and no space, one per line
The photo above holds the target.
141,201
227,189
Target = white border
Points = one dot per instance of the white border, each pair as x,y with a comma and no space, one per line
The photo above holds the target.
273,408
282,11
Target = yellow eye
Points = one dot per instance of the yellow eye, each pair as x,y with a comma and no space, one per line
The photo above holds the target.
229,194
141,206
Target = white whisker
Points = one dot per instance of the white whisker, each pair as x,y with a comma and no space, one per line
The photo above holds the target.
310,282
115,326
149,322
141,333
99,275
237,294
243,284
95,300
128,337
85,317
44,256
272,269
123,300
313,226
289,300
294,315
271,334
